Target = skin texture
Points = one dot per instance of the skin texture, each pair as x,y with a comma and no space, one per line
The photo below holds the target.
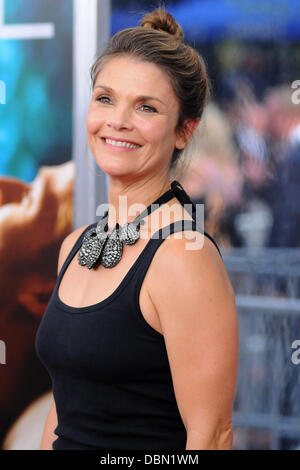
194,300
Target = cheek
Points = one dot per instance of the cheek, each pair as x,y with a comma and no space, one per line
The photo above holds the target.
93,120
156,132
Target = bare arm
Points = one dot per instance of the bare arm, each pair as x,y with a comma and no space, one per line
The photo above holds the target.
51,421
196,308
50,425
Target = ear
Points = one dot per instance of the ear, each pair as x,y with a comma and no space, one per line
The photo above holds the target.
185,135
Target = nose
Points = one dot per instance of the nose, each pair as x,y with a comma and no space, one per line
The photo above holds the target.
119,119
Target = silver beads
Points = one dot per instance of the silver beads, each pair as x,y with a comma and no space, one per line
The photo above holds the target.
129,233
112,251
91,248
100,246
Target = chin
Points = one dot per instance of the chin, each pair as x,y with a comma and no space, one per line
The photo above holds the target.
114,170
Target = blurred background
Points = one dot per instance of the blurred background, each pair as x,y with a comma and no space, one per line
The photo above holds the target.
246,171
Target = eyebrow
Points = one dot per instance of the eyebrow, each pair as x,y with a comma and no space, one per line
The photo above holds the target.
142,97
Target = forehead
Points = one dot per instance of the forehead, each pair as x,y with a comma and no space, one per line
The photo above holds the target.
131,75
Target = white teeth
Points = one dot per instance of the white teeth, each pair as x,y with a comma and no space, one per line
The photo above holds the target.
119,143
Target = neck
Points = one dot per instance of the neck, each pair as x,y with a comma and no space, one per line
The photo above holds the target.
122,195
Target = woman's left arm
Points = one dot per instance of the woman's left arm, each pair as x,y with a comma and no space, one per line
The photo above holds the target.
195,303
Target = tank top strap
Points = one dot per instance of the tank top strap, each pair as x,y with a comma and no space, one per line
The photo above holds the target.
157,239
179,226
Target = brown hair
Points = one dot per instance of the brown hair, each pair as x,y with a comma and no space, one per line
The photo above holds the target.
159,40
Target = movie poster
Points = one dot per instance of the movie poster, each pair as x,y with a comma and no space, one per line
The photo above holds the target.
36,186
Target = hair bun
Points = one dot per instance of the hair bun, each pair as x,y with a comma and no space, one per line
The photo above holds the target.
161,20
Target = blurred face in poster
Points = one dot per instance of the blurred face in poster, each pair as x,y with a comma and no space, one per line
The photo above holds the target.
33,217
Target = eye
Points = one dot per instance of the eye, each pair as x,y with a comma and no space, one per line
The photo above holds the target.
103,99
148,108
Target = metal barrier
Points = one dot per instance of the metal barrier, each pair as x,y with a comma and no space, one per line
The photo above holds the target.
266,412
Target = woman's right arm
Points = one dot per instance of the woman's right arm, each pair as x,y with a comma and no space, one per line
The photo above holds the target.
51,421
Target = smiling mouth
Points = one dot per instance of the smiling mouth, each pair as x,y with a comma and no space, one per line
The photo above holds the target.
120,143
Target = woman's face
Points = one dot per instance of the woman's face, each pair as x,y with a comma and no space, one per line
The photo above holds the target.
132,118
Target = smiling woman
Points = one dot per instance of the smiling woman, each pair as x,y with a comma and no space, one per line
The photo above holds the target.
133,114
181,66
138,354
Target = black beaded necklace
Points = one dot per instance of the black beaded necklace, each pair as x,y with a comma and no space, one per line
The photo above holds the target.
100,246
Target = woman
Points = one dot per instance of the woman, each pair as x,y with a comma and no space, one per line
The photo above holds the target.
142,355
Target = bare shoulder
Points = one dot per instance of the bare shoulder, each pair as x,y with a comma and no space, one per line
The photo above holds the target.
190,263
189,249
67,245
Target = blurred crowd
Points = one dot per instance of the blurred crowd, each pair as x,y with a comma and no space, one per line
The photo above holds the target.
246,168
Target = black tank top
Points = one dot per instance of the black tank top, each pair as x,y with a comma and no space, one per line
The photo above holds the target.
109,368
